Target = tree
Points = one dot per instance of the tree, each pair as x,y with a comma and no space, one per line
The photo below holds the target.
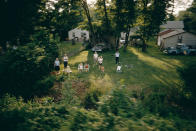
18,19
130,17
189,18
87,13
152,14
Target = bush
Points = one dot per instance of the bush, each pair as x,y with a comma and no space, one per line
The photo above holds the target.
120,104
156,100
91,99
17,115
25,70
186,97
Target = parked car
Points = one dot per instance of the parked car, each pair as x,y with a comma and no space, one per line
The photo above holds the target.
171,50
180,49
99,47
122,41
184,49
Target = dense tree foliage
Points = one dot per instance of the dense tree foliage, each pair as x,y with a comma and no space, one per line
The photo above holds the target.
18,19
189,18
24,71
151,16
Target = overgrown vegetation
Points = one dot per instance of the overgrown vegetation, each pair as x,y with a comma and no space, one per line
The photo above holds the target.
25,71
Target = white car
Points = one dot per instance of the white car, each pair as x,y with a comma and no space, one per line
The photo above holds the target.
122,41
99,47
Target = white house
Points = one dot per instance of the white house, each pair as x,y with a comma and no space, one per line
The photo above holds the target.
173,33
132,32
78,34
170,38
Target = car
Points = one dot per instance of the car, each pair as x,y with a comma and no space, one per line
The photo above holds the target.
99,47
180,49
122,41
185,49
171,50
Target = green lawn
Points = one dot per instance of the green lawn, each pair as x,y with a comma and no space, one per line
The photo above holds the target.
149,69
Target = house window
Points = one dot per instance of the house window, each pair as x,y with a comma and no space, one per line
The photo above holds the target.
179,39
73,35
83,34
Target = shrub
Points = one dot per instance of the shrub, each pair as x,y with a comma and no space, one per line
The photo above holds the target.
17,115
91,99
25,70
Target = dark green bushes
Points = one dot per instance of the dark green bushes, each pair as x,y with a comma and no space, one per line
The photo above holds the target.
24,72
17,115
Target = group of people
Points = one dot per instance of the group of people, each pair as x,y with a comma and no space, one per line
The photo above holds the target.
85,67
98,59
65,62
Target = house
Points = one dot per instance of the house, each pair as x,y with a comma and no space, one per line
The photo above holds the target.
172,33
131,33
173,25
171,37
78,34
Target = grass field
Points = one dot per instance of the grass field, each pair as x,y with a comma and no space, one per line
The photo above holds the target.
150,69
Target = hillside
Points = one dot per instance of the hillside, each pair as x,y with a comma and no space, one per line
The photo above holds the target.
144,96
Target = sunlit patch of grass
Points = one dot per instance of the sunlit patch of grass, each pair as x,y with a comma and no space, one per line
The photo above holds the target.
104,83
82,57
154,61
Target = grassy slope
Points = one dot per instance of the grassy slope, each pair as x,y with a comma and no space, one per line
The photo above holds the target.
148,69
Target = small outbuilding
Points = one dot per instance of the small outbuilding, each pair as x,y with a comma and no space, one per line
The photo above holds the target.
78,34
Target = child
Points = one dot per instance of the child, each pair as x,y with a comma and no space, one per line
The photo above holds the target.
100,60
102,69
80,67
57,65
95,57
86,67
117,54
68,70
119,68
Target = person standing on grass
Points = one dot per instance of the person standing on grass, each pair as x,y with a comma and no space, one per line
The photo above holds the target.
57,65
95,57
117,54
100,60
65,59
80,67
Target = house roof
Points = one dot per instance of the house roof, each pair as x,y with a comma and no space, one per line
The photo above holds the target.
174,32
173,25
166,31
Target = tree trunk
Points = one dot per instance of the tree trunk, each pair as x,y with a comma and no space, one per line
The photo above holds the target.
143,45
92,34
117,43
127,38
106,16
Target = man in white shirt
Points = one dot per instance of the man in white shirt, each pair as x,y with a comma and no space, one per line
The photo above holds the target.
117,54
65,59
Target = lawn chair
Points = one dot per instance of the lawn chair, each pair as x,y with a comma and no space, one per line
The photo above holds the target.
80,67
86,67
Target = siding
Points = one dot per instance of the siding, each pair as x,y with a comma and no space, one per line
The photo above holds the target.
187,38
78,34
